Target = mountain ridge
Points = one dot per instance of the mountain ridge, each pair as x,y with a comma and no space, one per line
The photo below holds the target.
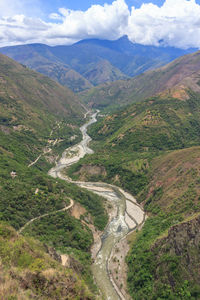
124,58
173,79
17,81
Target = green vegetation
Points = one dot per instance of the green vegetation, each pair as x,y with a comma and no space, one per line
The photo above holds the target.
35,124
152,150
91,62
32,91
32,193
163,261
94,204
157,275
67,235
141,132
62,231
29,272
173,80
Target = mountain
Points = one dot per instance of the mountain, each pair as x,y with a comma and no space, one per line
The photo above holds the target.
101,72
32,270
36,115
19,84
150,148
129,58
32,107
168,244
92,62
173,80
39,58
64,75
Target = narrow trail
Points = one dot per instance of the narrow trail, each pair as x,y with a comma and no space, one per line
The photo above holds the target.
47,149
35,161
126,216
45,215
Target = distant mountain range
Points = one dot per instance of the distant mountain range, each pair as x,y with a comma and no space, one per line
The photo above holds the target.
174,80
31,89
92,62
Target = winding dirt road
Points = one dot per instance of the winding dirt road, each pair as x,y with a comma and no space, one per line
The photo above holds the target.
45,215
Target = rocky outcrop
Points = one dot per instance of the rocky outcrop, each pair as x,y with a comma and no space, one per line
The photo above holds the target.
52,252
88,171
182,247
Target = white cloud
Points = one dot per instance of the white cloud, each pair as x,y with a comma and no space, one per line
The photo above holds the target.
106,21
176,23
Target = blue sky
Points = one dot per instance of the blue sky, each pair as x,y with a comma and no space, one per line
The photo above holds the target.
53,5
43,8
64,22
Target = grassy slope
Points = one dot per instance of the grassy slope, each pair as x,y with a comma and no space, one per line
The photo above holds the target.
62,74
159,139
29,272
21,84
169,253
171,79
141,132
39,58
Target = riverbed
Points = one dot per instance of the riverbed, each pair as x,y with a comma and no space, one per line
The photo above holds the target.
126,215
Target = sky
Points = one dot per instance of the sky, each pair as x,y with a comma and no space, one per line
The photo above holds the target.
62,22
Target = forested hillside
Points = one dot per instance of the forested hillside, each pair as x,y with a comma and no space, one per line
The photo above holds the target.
38,120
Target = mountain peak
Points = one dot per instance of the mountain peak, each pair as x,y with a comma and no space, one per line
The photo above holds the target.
124,38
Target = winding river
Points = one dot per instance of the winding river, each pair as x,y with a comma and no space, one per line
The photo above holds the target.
126,214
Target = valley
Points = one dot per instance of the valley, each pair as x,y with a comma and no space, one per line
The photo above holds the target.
92,62
101,188
163,173
125,216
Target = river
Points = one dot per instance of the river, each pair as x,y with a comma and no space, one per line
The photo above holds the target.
126,214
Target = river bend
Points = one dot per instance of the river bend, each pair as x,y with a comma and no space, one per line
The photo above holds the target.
126,214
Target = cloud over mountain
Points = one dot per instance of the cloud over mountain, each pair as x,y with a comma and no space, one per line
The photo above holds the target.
176,23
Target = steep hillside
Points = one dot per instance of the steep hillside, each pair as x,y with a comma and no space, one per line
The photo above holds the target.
62,74
98,61
101,72
175,177
141,132
21,84
171,80
31,270
168,246
129,58
36,114
38,120
39,58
